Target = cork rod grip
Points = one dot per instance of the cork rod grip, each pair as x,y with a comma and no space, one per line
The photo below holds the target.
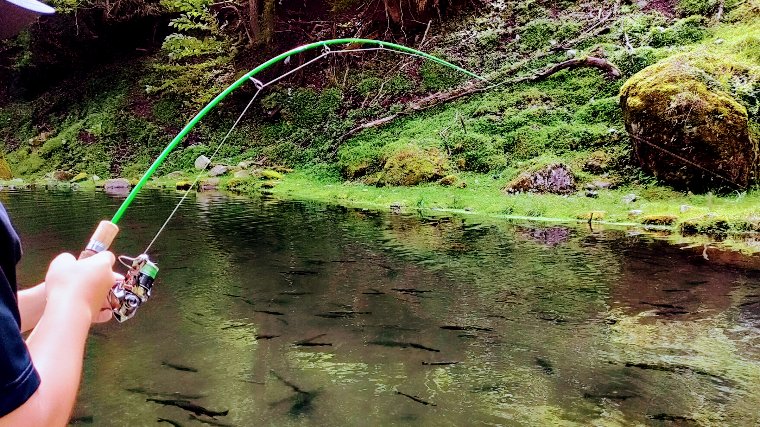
101,239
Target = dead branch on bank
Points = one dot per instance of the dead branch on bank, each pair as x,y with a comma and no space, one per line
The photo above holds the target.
471,88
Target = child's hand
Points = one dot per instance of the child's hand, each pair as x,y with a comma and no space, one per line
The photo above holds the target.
81,284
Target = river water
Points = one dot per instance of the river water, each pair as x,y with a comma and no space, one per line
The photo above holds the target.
282,313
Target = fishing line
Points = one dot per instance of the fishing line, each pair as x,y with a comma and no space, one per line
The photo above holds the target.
687,161
326,51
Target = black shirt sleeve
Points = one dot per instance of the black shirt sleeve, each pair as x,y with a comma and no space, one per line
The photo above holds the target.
18,378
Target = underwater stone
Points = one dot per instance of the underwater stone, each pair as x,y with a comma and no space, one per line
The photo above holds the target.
116,185
209,184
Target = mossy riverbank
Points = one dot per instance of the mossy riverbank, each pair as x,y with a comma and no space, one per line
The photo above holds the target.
729,222
457,156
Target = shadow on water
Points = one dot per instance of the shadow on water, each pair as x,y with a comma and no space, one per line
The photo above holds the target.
278,313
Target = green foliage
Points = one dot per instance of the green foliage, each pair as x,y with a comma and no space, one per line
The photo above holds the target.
478,153
696,7
180,46
684,31
605,110
5,169
198,56
437,77
413,165
368,85
305,108
540,33
637,27
630,63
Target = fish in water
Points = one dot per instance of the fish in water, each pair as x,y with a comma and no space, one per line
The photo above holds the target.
299,273
273,313
465,328
341,314
410,291
439,363
545,366
416,399
401,344
176,394
168,421
265,337
179,367
189,406
309,342
668,417
301,402
85,419
609,396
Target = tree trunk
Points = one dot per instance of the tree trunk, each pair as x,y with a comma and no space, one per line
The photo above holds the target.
253,21
268,32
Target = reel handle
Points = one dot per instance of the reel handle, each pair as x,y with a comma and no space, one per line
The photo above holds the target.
101,239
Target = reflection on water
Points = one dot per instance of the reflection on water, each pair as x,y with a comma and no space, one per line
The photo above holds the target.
271,313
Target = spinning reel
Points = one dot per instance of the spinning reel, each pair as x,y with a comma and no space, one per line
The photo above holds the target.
128,295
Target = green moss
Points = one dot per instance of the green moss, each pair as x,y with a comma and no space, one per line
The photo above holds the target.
81,176
269,174
5,169
448,180
539,33
696,7
436,77
684,31
412,165
477,153
605,110
659,220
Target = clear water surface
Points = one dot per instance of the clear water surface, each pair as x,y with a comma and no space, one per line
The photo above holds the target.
280,313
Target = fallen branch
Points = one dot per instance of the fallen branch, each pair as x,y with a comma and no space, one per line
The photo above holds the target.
368,125
589,61
474,87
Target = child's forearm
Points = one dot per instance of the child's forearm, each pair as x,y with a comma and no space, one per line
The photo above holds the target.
57,349
31,305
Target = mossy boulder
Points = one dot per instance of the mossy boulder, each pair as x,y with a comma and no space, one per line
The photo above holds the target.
412,165
81,176
5,169
687,128
271,175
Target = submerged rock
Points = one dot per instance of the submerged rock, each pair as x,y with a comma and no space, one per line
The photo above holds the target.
556,178
209,184
116,184
687,128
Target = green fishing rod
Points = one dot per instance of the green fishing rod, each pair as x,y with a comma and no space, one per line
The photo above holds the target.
128,295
